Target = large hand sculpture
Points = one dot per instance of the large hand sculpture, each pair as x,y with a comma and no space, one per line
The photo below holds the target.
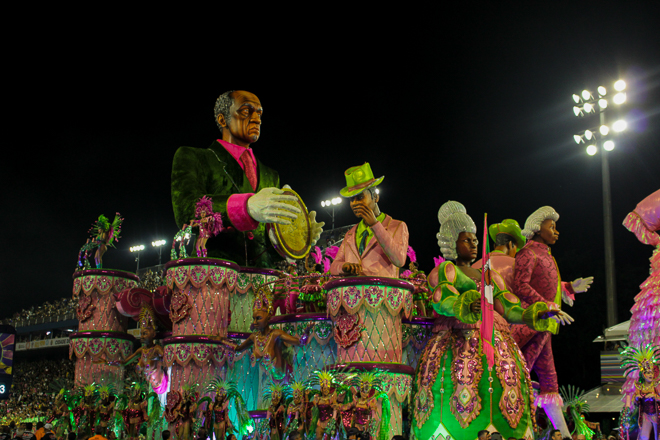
267,206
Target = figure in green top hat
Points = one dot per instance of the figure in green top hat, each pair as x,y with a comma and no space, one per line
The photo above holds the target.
507,236
377,245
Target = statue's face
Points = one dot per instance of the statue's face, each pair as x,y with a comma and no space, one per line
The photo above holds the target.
467,246
245,123
363,199
259,320
147,335
548,232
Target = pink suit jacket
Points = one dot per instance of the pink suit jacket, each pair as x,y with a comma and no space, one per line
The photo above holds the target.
383,256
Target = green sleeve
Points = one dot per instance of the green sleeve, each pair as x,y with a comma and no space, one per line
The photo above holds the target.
192,178
454,293
514,313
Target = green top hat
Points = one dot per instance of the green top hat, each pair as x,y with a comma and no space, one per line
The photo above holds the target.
509,227
358,179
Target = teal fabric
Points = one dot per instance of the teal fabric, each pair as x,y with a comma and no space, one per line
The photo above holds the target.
213,172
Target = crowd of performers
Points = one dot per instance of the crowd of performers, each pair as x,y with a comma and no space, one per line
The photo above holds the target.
323,406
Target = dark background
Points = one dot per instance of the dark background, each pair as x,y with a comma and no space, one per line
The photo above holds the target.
470,104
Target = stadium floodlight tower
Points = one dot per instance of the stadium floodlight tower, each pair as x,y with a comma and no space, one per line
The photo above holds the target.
137,249
327,204
597,138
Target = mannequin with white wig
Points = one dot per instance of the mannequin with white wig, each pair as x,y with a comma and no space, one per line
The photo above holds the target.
465,392
537,279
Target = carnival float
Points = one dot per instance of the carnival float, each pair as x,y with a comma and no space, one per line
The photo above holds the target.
260,334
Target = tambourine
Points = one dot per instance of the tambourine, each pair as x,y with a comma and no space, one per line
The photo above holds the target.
294,240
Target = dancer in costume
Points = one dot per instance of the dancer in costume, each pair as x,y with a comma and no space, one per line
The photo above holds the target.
311,293
418,279
377,245
103,234
297,418
269,343
183,413
576,407
286,290
644,362
367,388
89,406
106,405
324,405
276,410
454,391
218,409
136,412
537,279
208,222
243,189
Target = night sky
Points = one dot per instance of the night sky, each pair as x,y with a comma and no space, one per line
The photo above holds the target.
470,104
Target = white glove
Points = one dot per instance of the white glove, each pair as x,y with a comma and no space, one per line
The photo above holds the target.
563,318
581,285
266,207
317,227
566,299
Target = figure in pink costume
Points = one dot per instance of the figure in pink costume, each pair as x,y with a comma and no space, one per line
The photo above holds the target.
286,290
508,240
377,245
208,222
644,222
537,279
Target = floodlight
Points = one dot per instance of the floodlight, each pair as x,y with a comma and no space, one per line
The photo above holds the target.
602,103
578,138
608,145
602,91
586,94
588,134
576,98
323,204
620,98
604,129
588,108
158,243
137,248
620,85
591,150
377,191
620,125
577,110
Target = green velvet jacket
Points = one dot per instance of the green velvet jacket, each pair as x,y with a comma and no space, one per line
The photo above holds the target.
213,172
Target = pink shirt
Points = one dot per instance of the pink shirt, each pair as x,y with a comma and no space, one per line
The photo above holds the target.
236,151
237,203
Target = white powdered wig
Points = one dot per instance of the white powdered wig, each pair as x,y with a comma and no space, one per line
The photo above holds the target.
533,222
453,220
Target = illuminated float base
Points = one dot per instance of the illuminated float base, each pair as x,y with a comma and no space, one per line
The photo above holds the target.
88,347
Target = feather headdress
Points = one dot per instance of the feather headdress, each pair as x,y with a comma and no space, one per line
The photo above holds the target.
263,300
641,359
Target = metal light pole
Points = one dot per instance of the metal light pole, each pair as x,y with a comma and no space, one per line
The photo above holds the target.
331,203
589,106
137,259
158,244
